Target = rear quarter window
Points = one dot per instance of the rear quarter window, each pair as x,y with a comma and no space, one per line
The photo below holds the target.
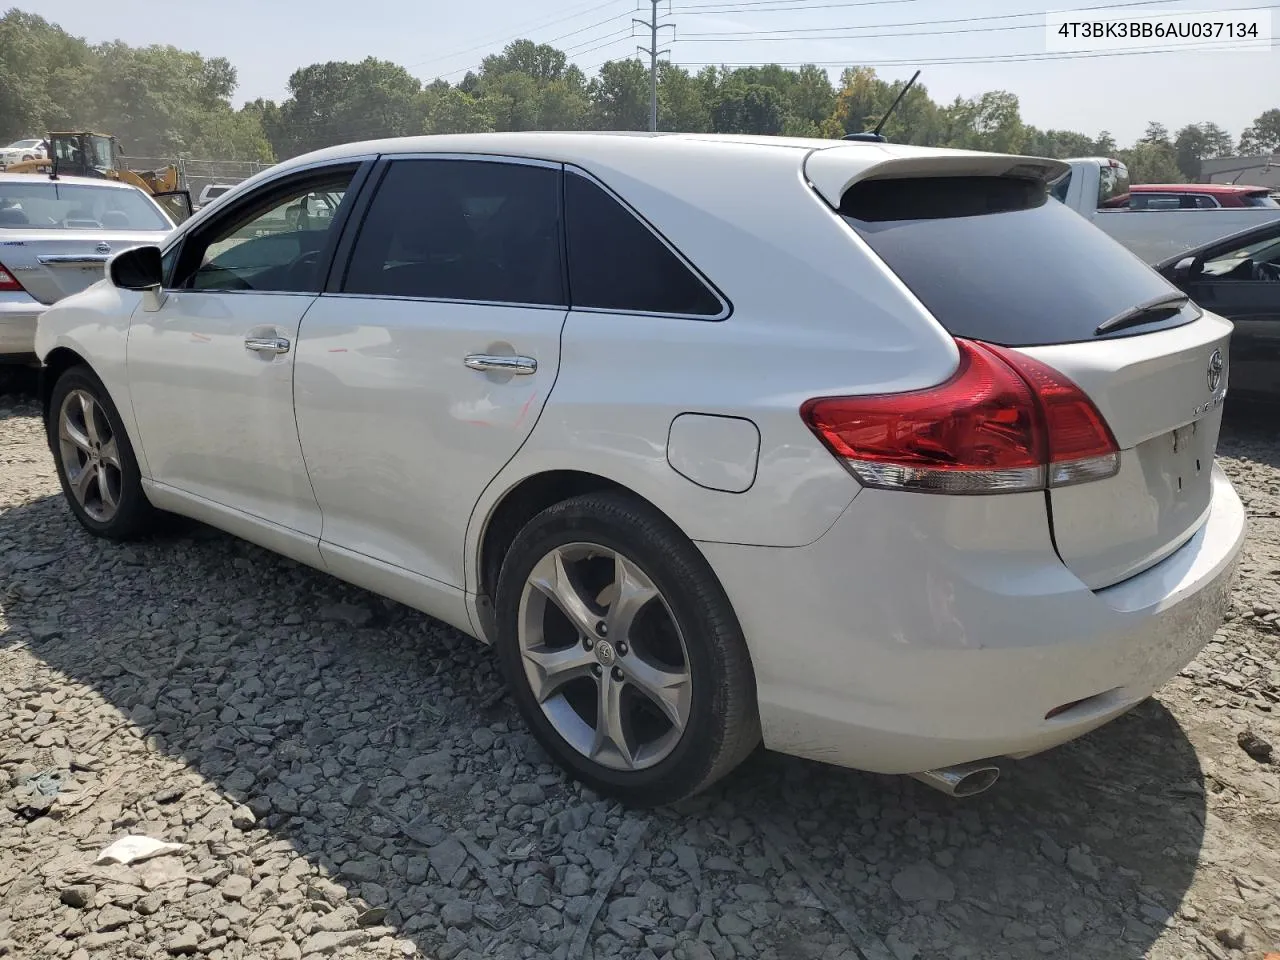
993,260
617,264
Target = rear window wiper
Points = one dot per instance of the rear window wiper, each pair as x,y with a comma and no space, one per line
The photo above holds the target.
1169,303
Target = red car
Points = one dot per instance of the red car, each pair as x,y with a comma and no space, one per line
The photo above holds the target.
1192,196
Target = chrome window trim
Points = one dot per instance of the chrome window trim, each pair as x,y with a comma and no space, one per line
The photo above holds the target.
392,158
726,308
449,300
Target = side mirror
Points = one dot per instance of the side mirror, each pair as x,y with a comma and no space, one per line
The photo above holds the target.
176,203
139,269
1184,268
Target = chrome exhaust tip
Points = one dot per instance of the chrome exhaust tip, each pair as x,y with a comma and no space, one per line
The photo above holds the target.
962,780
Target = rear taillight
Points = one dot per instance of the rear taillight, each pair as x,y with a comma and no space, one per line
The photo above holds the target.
8,282
1003,423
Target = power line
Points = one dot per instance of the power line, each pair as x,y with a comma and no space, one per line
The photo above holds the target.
989,58
529,26
563,36
926,23
778,6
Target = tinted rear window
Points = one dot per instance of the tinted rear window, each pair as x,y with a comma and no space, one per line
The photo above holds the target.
993,261
1260,200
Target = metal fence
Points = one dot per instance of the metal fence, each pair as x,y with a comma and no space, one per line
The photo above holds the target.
195,175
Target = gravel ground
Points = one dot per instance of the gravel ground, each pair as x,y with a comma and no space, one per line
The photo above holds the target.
347,778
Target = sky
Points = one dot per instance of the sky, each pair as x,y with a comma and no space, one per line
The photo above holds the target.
267,40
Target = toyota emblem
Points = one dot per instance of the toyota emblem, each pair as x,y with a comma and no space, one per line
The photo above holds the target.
103,247
1215,371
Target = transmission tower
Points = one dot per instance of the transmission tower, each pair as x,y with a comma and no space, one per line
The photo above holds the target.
654,53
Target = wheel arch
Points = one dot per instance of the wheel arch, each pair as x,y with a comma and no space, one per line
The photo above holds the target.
516,507
59,361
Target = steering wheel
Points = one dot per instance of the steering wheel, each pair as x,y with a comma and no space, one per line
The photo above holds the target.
1266,272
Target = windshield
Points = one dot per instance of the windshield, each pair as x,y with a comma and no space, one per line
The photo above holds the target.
24,144
45,205
1259,200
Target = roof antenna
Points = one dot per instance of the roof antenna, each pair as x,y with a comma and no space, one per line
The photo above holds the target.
874,135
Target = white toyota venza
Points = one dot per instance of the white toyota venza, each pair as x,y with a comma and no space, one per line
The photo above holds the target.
867,452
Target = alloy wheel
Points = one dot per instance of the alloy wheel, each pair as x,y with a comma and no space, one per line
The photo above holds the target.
90,455
604,657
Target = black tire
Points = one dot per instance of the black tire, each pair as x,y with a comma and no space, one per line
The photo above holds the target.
134,517
723,726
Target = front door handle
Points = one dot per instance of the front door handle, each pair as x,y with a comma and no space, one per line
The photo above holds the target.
490,363
273,345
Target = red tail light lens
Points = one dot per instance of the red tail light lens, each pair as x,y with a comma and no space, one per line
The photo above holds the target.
1081,445
999,425
8,283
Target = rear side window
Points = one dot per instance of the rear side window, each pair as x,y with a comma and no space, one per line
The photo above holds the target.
468,230
1259,200
992,260
616,262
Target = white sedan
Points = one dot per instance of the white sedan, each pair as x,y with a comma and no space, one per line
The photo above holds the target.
864,451
55,239
20,150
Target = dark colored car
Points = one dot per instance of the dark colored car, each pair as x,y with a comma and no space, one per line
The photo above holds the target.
1238,277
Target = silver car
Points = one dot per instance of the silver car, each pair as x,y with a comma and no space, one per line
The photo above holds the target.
55,239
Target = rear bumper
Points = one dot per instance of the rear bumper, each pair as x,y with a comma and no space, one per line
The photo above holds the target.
925,631
18,315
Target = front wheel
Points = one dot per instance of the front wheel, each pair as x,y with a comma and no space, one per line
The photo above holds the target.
95,460
623,652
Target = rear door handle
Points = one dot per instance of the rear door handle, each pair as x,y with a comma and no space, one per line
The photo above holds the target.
490,363
273,345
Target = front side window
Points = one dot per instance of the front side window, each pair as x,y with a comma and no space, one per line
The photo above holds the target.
274,246
40,204
470,230
1258,261
616,262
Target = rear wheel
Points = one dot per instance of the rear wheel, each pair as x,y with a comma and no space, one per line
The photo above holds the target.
625,657
95,460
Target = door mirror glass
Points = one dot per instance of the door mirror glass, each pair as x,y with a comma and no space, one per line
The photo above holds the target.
136,269
176,203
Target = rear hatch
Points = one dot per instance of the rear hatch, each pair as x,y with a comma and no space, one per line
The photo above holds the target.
978,246
52,264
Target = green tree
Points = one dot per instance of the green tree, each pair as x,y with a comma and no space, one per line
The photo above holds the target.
1152,162
750,108
156,99
620,96
452,111
538,61
989,122
681,106
45,74
1200,141
338,101
1262,136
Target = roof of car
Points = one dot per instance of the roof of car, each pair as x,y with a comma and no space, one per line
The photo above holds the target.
78,181
1209,188
586,146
